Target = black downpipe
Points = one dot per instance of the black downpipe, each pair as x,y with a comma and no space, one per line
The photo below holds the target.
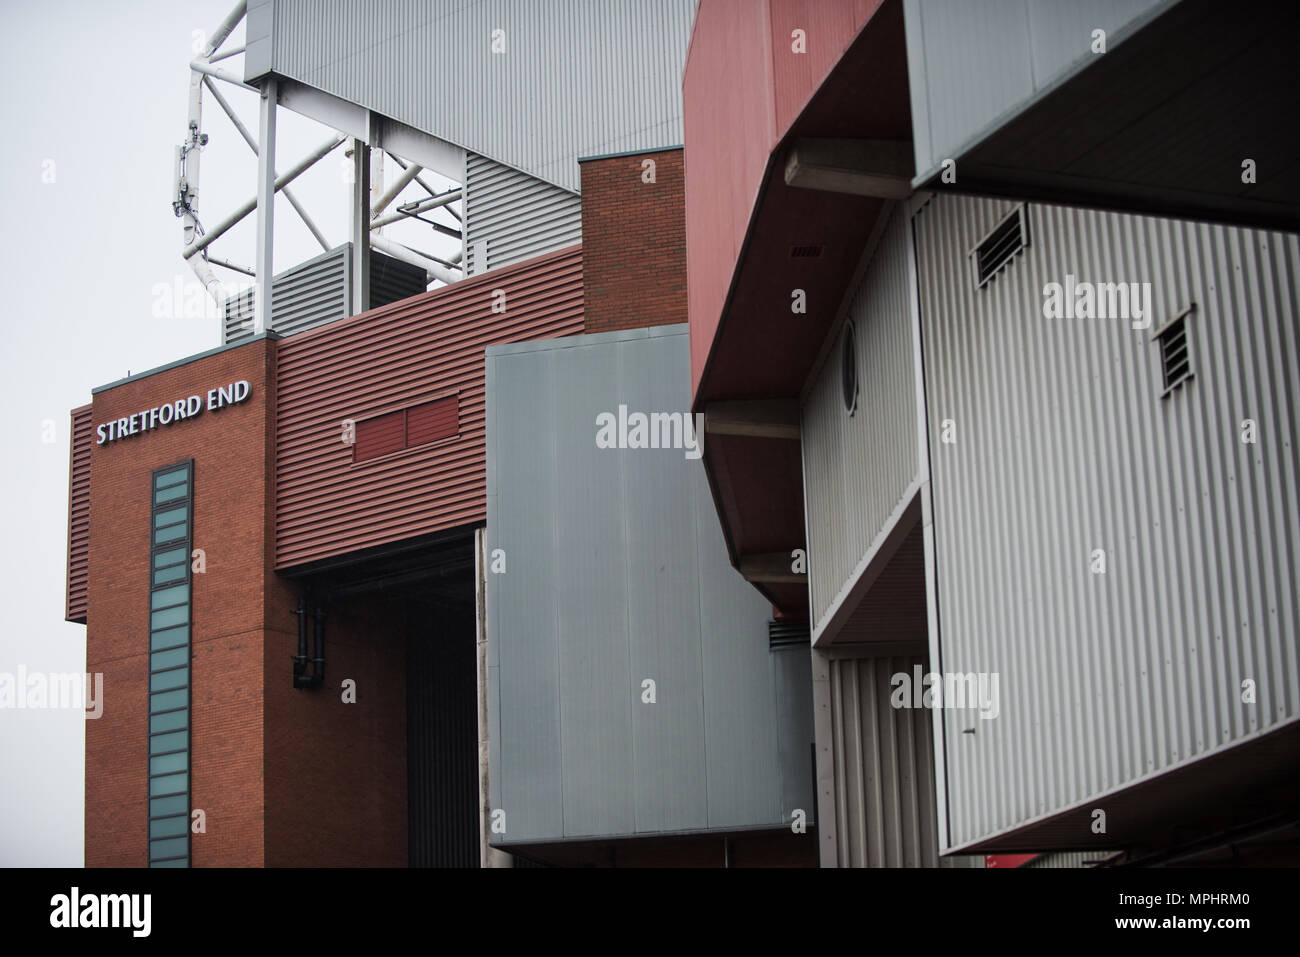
303,677
318,677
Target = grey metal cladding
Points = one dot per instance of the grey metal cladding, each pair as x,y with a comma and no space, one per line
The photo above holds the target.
1064,445
858,469
516,215
971,65
316,292
617,574
575,78
884,768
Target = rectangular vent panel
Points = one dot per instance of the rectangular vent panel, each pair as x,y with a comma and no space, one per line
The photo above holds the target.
999,247
1175,353
782,632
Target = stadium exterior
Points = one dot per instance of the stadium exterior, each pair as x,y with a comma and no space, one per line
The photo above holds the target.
823,445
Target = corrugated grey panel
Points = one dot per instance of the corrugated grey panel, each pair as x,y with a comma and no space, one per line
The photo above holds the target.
794,723
575,78
316,292
1065,446
518,216
972,64
858,468
884,768
523,642
617,573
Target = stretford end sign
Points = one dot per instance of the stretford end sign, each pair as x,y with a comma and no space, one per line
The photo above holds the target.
172,412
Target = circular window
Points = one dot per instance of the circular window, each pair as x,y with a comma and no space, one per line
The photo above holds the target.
849,369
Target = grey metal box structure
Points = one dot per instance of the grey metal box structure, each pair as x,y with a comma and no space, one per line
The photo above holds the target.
615,572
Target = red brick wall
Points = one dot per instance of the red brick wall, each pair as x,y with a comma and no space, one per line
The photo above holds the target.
633,242
336,772
230,499
284,776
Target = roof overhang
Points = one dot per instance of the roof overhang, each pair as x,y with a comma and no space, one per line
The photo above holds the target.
824,187
1161,125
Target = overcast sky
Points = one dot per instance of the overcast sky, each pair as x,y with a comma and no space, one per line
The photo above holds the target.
94,104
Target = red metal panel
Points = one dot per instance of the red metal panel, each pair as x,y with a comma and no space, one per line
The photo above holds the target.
729,133
432,421
743,89
388,359
79,514
379,436
828,26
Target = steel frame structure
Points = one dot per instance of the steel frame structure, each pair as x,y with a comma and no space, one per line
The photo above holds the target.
370,200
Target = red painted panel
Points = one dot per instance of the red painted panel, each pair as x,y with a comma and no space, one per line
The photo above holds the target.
1008,860
743,89
380,436
388,359
828,26
79,514
432,421
729,134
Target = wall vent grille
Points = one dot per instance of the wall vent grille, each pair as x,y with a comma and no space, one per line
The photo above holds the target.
996,250
1175,351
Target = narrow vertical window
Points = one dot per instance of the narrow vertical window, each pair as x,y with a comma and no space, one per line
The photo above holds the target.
171,535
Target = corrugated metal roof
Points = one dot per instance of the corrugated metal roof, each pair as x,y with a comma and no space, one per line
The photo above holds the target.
569,79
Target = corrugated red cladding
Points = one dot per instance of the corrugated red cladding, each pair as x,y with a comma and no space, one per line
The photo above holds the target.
634,241
744,85
329,501
79,513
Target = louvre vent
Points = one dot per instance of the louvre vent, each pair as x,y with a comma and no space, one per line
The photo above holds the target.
782,633
1175,354
999,247
807,251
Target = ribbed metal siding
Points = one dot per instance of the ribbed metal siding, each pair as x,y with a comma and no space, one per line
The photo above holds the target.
972,64
307,295
829,27
616,572
316,292
576,79
1064,446
518,216
884,768
857,468
388,358
79,447
442,743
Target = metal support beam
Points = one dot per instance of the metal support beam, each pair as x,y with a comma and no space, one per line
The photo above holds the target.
202,66
252,144
392,192
225,28
882,168
419,206
266,187
282,181
771,567
359,223
755,418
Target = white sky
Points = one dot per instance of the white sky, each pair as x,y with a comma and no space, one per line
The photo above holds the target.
98,88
